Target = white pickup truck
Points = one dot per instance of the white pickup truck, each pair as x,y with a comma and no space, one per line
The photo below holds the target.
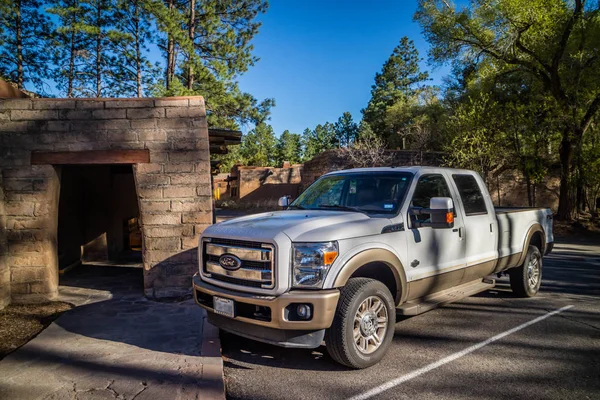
358,247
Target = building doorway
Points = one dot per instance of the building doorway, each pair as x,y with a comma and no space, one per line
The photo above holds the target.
98,220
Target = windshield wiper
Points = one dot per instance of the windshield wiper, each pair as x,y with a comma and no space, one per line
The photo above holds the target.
340,207
296,206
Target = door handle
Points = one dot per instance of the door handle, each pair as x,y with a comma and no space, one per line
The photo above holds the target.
460,233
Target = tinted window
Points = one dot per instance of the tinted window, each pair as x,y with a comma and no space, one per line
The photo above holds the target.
365,192
470,194
429,186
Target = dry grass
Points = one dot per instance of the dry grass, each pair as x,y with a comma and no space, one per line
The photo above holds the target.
19,323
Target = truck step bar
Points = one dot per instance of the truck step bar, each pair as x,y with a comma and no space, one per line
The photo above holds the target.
424,304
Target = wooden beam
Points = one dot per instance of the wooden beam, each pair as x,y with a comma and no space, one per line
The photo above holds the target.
225,133
90,157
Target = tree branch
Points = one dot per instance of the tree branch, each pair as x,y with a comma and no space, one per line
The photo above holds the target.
591,112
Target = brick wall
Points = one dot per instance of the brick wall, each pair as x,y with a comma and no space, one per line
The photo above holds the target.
173,189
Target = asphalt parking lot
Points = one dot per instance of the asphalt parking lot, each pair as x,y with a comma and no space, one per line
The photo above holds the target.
455,352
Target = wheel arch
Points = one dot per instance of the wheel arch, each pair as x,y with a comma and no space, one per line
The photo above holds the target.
536,237
379,264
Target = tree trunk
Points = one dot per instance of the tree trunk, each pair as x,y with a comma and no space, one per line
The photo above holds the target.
19,40
99,51
138,52
71,76
529,193
566,155
170,54
191,35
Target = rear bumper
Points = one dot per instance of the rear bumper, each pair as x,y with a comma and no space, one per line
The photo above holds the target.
275,327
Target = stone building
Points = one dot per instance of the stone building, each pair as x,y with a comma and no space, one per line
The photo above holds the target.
75,172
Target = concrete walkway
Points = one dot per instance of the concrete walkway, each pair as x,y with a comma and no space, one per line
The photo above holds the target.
116,344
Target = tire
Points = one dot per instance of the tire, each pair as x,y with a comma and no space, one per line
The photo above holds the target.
525,280
361,296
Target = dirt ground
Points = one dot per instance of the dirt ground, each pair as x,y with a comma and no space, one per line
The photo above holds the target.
583,230
19,323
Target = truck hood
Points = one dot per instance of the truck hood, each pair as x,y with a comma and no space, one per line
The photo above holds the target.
300,226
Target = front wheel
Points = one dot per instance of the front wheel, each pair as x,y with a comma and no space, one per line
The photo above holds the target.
525,280
363,326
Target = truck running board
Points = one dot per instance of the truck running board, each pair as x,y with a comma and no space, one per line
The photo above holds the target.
419,306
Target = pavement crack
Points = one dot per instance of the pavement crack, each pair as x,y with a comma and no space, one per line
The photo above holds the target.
141,391
112,391
580,322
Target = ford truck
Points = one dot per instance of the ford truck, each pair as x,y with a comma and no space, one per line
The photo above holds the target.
359,247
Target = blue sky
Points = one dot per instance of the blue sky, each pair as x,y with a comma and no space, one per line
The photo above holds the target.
319,58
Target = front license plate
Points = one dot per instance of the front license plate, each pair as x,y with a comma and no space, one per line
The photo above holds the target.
224,306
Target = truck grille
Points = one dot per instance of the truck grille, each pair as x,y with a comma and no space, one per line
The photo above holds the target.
253,266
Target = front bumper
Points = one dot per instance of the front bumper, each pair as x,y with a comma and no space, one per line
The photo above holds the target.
323,302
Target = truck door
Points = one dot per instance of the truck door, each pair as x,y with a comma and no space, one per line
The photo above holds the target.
481,227
436,256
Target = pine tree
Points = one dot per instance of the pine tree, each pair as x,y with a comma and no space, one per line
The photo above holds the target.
133,72
320,139
24,39
98,59
399,78
68,45
207,46
258,147
289,148
346,130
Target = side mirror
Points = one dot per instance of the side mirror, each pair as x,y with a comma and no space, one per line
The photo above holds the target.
440,211
283,201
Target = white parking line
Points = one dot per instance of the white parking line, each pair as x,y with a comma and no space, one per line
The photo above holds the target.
405,378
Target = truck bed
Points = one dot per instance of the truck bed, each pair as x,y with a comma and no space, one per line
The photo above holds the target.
515,222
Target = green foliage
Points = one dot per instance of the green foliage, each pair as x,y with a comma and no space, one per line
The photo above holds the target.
476,138
289,148
209,59
133,72
259,147
346,130
398,81
69,45
316,141
550,45
24,39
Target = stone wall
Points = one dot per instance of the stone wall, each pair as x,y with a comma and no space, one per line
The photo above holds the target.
4,268
173,188
266,183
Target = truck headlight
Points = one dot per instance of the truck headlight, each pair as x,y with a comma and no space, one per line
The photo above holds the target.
311,262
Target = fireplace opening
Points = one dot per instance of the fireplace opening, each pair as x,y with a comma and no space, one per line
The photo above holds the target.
98,219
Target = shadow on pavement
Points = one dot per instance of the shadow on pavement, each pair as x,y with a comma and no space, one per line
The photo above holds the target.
114,308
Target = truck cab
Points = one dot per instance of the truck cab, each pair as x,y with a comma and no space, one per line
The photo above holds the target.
358,247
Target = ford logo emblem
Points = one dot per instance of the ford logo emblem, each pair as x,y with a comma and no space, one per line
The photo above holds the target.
230,262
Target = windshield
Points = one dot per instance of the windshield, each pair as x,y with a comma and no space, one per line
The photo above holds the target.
374,192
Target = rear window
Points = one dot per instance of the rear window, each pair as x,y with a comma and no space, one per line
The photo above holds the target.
470,194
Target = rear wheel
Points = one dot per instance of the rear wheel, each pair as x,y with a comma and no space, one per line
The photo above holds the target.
363,326
525,280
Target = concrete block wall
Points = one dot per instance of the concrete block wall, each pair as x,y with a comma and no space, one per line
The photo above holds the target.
173,189
4,268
